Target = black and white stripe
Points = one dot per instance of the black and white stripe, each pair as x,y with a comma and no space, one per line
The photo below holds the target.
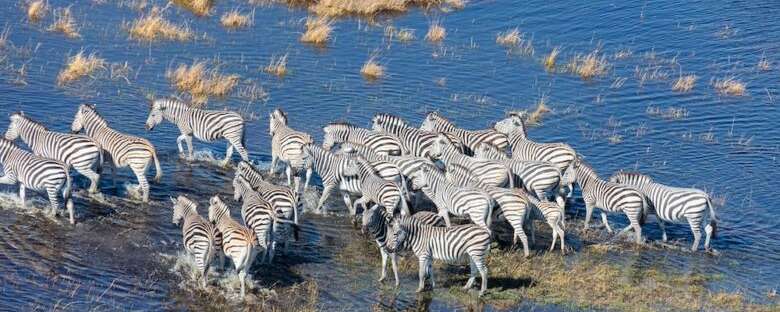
125,150
373,188
489,172
609,197
260,216
379,142
330,168
77,151
551,213
238,241
287,146
414,142
675,205
450,244
471,139
205,125
282,198
198,234
558,154
37,174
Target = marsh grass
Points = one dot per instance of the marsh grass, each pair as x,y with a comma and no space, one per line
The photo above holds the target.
234,19
197,7
64,23
200,82
402,35
589,66
684,83
278,66
36,10
372,70
4,38
339,8
509,38
153,26
549,60
535,117
729,86
436,32
764,64
317,31
79,66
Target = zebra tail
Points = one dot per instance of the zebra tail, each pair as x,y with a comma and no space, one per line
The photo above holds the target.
645,208
404,197
243,136
713,217
66,193
157,169
489,216
99,167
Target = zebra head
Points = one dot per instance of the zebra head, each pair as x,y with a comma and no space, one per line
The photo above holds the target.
156,110
489,151
570,173
439,146
181,205
217,209
430,122
276,119
420,177
630,178
13,128
512,124
78,120
370,219
240,187
335,133
398,234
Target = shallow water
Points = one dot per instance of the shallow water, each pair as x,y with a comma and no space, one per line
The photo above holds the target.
111,258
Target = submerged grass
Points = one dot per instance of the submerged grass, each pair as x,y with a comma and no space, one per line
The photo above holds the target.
436,32
549,60
509,38
589,66
317,31
234,19
36,10
535,117
197,7
278,66
372,70
730,86
153,26
64,23
79,66
338,8
200,82
684,83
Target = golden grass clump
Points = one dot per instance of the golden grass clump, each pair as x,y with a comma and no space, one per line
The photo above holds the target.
79,66
197,7
436,32
684,83
549,60
200,82
278,66
64,23
589,66
337,8
535,117
36,10
730,86
154,26
372,70
234,19
509,37
317,31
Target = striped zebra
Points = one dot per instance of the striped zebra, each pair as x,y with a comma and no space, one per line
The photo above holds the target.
281,198
413,141
609,197
450,198
36,173
376,222
385,169
198,234
674,205
559,154
379,142
205,125
125,150
512,204
487,171
374,189
238,241
471,139
450,244
537,177
77,151
287,146
551,213
330,168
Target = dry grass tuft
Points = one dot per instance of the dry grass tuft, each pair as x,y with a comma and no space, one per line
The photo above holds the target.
36,10
589,66
197,7
535,117
509,37
403,34
549,60
337,8
317,31
278,66
436,32
234,19
730,86
64,23
456,4
684,83
79,66
154,26
372,70
200,82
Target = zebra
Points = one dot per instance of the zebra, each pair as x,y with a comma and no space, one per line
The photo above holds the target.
471,139
376,222
443,243
77,151
205,125
536,177
608,196
384,168
375,189
450,198
415,142
330,168
198,234
674,205
36,173
281,197
550,212
488,172
125,150
238,241
512,204
287,146
380,142
559,154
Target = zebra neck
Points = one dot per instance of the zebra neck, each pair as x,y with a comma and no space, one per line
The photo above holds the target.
28,129
94,125
356,135
5,155
445,126
517,136
176,114
449,154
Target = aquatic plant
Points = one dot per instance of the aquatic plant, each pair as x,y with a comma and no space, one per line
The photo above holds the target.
436,32
535,117
153,26
200,82
79,66
317,30
684,83
36,10
278,66
729,86
589,65
337,8
549,60
509,38
64,23
234,19
197,7
372,70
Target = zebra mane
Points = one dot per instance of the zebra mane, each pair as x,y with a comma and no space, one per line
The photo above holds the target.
187,203
391,118
281,113
342,123
29,120
166,101
434,114
634,174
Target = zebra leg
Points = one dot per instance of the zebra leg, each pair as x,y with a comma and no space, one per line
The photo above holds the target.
236,143
472,274
242,279
663,229
53,202
21,196
483,272
520,233
180,139
394,263
384,254
93,177
605,221
588,214
554,228
422,268
430,273
308,178
444,214
288,170
272,169
228,155
143,184
325,193
190,151
532,227
708,230
562,235
696,229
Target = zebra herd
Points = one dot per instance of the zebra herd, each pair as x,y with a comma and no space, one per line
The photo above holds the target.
390,173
